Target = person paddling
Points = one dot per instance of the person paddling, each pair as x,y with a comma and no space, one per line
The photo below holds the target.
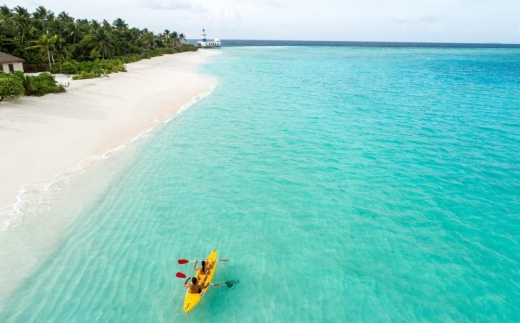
194,287
205,268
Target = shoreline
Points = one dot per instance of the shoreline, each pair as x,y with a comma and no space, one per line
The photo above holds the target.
43,137
45,211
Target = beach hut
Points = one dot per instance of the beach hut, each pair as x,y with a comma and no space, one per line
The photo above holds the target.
10,63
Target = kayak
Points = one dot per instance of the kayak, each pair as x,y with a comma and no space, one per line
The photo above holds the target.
191,300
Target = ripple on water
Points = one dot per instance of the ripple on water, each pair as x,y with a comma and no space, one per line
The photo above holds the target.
359,184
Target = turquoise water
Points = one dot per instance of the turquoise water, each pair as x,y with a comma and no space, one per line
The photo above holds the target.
344,184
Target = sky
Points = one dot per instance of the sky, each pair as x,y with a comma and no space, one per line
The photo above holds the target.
459,21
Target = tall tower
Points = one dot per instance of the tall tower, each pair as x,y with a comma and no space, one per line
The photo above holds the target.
203,38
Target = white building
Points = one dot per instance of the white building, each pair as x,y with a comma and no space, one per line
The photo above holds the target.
10,63
204,43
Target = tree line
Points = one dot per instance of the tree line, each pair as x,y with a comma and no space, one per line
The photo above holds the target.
85,48
44,37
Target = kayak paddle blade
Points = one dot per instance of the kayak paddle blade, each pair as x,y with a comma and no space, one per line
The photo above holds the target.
180,275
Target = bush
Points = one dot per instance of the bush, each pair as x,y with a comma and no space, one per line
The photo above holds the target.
96,68
85,75
68,68
157,52
28,85
186,48
19,75
11,87
130,59
169,50
41,85
55,69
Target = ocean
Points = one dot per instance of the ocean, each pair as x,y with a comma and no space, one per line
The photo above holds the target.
343,183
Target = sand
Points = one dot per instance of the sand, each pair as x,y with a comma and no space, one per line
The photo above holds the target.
43,136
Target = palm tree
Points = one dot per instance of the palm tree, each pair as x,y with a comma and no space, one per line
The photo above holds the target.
21,11
50,16
102,43
106,25
45,43
166,34
6,17
73,32
40,13
5,11
22,20
62,50
61,22
40,18
8,31
120,24
94,25
63,16
148,39
174,36
182,37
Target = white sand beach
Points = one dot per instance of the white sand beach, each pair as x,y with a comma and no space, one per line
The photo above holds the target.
42,136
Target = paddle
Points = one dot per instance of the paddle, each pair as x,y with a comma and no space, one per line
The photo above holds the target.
181,275
185,261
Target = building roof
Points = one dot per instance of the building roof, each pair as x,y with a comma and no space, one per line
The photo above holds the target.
6,58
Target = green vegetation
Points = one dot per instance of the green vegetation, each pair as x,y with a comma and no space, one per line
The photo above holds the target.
90,69
69,68
79,46
40,85
13,86
83,48
10,87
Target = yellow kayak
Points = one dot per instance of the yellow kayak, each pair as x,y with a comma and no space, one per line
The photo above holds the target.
191,300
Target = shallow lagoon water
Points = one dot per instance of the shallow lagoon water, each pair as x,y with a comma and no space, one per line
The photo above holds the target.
343,183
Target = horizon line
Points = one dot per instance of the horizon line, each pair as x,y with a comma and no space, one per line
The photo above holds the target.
370,41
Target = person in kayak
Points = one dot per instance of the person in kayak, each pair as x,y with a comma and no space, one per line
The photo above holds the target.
205,268
194,287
